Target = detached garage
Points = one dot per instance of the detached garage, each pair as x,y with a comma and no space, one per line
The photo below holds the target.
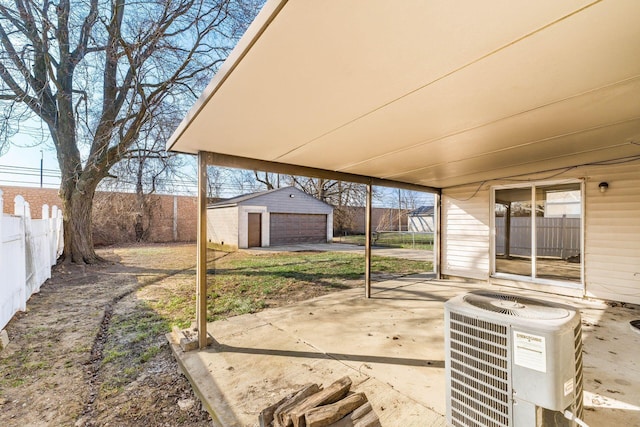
283,216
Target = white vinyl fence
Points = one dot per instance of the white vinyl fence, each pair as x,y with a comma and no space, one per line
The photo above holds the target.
556,237
28,249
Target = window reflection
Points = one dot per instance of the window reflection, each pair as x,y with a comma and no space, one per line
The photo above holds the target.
558,232
554,225
513,231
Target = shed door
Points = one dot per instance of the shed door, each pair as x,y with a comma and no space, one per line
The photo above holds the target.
255,230
287,229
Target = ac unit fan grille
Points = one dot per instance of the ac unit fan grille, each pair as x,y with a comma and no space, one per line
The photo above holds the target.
479,372
514,306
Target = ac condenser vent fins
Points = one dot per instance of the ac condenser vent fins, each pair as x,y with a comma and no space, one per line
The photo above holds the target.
512,361
510,305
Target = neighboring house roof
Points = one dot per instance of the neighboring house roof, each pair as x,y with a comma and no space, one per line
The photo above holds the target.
235,201
422,211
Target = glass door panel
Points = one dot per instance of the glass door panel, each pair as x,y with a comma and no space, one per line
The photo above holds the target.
558,232
513,231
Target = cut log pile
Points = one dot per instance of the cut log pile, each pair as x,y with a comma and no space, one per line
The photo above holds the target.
313,406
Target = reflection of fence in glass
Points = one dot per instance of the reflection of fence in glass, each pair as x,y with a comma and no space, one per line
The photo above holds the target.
555,237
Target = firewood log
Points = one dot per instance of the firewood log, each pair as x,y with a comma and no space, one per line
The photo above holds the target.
331,394
322,416
281,416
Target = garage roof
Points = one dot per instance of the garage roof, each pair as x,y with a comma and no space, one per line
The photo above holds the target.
435,93
293,192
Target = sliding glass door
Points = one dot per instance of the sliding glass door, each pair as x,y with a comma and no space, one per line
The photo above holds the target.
513,231
538,231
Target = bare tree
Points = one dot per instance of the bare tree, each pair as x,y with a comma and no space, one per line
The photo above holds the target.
269,180
216,179
228,182
146,168
97,72
340,194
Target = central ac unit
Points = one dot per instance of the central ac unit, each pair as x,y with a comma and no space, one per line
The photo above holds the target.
512,361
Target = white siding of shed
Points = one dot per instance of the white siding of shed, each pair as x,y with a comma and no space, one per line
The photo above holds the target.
420,223
222,225
465,232
612,228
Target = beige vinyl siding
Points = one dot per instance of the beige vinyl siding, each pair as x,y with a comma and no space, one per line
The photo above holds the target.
465,232
222,226
612,233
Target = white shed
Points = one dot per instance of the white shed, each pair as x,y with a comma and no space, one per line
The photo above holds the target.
420,220
283,216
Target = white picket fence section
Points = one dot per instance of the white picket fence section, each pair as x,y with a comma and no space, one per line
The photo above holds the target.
28,249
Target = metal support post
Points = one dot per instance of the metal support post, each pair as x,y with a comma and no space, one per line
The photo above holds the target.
367,245
201,272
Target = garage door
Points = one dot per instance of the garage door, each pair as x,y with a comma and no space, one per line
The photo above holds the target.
287,229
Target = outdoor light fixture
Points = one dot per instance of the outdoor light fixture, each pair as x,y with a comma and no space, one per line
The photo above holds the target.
293,195
603,186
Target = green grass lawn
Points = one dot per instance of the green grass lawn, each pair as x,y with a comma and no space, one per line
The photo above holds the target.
245,283
240,283
404,240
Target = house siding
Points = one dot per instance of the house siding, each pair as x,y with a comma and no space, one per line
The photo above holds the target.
465,232
612,233
611,240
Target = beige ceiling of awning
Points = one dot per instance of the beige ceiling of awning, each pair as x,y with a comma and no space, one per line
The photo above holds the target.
436,93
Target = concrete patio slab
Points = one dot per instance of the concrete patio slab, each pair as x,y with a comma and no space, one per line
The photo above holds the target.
392,347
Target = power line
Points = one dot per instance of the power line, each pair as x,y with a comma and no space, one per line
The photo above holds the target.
26,168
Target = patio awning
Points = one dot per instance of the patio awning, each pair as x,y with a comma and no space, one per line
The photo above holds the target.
435,93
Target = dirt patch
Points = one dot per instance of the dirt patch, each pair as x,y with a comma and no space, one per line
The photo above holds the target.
90,350
73,361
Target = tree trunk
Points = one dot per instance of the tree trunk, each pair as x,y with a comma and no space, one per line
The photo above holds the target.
78,238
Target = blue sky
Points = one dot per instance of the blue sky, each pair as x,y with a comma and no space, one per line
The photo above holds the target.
23,159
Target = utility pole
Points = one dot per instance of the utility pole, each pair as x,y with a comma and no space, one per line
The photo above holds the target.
41,166
399,211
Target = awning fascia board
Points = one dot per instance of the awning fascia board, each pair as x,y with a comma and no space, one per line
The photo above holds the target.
267,14
225,160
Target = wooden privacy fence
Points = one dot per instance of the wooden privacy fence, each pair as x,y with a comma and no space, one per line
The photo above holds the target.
28,249
555,237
